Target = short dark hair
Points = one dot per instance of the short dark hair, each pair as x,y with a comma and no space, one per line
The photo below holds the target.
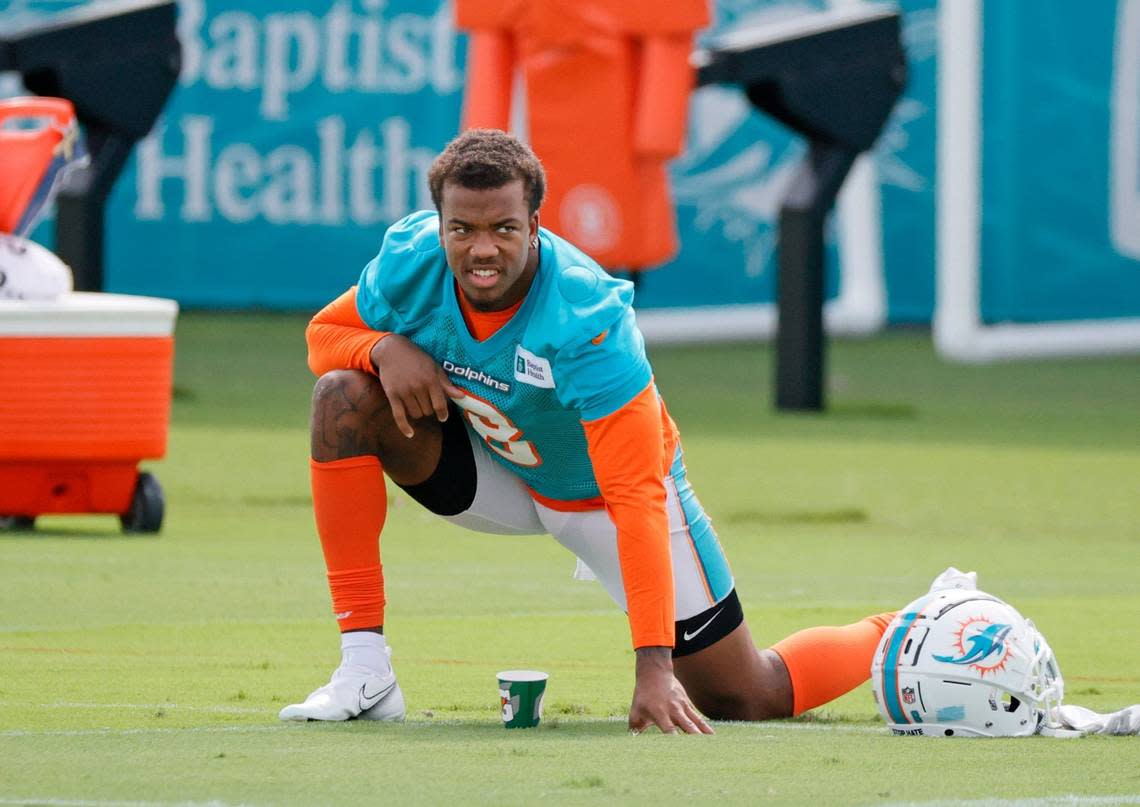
482,159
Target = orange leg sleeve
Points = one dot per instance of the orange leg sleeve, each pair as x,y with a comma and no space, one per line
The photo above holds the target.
350,502
826,662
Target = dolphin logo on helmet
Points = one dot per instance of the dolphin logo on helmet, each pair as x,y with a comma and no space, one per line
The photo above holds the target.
982,645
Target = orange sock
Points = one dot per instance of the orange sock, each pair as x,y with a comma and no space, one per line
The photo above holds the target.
350,502
826,662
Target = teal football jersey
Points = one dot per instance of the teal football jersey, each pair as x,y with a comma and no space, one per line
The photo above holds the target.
532,383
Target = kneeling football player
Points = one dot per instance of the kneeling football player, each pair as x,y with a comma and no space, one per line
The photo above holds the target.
497,375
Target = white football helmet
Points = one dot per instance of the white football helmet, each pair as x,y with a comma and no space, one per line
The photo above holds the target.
964,663
29,271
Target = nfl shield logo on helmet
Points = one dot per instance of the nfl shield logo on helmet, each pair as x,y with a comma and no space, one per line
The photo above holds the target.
908,695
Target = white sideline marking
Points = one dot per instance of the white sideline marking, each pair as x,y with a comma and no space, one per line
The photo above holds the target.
841,728
279,726
1071,800
235,710
124,732
93,803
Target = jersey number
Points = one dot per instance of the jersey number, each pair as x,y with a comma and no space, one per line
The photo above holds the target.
497,431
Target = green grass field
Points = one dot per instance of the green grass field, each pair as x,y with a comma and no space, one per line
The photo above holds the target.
141,670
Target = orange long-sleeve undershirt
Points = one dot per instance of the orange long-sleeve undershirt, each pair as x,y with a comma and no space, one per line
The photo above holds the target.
631,451
338,338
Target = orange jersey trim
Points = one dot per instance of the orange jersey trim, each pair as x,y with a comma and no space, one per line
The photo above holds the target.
631,451
484,324
571,506
339,339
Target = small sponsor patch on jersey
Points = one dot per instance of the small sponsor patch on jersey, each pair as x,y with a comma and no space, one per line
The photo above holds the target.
532,369
472,374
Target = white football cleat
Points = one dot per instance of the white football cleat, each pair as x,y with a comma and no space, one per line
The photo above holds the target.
353,692
953,578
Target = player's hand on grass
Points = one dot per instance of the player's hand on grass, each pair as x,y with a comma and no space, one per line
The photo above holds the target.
415,385
659,699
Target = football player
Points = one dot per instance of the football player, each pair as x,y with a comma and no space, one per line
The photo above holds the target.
496,374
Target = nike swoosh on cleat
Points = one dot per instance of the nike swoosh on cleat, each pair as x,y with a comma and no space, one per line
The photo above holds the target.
368,701
689,636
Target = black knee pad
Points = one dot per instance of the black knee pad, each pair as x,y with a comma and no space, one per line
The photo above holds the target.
708,627
451,487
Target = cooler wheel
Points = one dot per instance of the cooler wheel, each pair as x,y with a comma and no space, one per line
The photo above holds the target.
147,506
17,523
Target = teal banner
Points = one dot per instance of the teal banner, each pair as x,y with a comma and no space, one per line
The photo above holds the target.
729,183
1060,185
299,131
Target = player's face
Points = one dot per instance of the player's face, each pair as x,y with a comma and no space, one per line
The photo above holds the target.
487,235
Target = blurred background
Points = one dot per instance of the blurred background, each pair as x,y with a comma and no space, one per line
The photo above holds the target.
995,217
298,131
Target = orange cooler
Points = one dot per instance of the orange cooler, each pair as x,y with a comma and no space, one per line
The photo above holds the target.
85,391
